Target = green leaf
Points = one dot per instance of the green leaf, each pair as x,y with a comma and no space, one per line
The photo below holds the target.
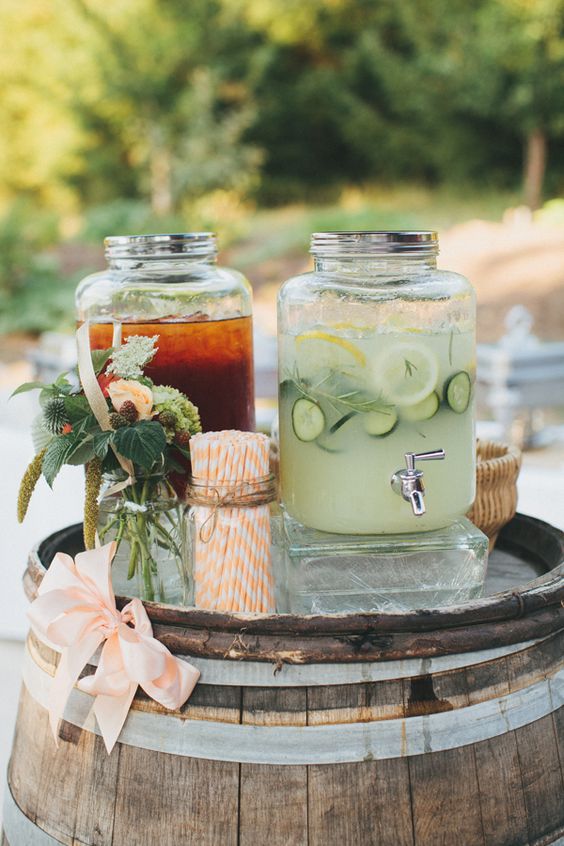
62,385
47,392
77,408
101,443
82,454
100,358
27,386
57,454
143,443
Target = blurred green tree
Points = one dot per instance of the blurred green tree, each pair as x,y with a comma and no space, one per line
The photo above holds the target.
157,122
514,69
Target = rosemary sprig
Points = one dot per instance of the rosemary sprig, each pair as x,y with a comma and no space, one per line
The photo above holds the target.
409,367
351,400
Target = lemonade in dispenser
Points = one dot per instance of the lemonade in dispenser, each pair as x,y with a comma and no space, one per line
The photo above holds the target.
377,372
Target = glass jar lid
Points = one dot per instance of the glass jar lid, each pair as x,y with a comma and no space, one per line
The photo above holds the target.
399,242
160,246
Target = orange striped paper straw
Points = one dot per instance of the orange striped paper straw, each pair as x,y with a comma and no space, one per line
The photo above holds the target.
231,548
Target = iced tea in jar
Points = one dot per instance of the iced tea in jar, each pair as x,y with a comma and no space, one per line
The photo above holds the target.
171,286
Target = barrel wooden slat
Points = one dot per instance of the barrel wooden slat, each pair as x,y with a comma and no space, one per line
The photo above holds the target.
445,817
286,706
95,812
366,803
57,782
542,777
165,800
558,718
32,727
502,802
355,703
273,799
489,680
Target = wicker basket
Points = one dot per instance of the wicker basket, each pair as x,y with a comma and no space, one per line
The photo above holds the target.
497,470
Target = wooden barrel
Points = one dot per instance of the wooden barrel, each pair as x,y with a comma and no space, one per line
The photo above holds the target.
432,727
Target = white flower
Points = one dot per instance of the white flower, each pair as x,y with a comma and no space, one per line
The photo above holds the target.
128,361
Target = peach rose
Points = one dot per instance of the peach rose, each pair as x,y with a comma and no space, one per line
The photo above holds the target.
123,390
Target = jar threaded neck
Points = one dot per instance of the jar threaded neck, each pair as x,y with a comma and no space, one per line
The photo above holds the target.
191,244
404,243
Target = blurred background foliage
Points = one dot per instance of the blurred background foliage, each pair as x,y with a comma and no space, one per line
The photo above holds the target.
263,119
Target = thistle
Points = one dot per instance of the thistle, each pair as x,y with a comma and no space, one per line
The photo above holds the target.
28,483
91,507
55,415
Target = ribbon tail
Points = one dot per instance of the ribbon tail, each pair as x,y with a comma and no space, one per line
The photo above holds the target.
71,664
93,392
111,713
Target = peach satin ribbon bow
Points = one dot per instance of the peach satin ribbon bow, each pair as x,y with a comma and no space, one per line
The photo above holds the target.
76,610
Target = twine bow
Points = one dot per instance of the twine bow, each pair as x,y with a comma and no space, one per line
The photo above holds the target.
76,610
243,494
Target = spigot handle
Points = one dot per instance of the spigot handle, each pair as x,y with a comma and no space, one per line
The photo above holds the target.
412,457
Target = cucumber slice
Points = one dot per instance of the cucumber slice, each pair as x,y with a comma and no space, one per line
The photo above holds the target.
308,419
380,423
341,422
458,391
423,410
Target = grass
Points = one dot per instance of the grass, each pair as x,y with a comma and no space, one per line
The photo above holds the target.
275,233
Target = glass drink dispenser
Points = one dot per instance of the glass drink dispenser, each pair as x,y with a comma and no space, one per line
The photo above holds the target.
377,372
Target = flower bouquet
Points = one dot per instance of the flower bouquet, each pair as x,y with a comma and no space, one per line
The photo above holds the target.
132,437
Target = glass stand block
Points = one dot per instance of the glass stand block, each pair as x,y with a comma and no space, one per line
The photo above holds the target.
333,574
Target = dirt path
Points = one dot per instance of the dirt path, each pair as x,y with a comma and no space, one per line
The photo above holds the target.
510,263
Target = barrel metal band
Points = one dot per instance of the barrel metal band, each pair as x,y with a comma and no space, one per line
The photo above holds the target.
19,829
330,744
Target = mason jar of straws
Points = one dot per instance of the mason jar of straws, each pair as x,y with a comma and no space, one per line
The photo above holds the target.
230,492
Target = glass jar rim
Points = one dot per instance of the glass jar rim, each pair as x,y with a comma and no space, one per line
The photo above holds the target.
160,246
400,242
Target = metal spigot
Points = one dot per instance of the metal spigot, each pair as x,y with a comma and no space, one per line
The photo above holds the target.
408,483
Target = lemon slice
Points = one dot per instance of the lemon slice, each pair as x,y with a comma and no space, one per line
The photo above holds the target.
321,349
406,373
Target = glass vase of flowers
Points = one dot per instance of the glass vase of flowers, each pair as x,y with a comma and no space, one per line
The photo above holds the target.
132,436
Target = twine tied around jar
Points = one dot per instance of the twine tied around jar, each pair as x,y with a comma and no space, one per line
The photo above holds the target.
228,494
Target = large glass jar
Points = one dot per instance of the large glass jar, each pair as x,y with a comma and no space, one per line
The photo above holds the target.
376,360
171,286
